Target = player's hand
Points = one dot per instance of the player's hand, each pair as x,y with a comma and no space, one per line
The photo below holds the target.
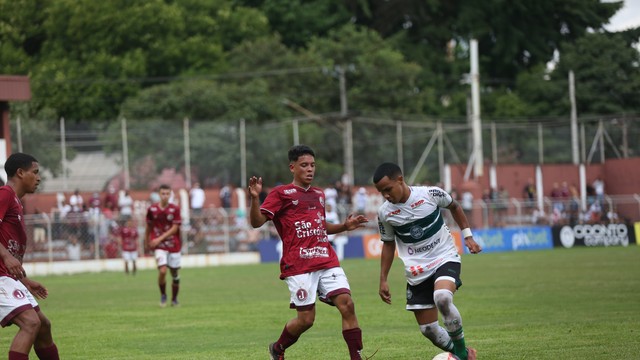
384,292
472,245
353,222
14,267
35,288
255,186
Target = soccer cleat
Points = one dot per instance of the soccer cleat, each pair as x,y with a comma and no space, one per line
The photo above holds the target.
273,354
367,357
163,300
471,353
175,303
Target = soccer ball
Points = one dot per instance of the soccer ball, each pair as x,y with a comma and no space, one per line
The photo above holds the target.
446,356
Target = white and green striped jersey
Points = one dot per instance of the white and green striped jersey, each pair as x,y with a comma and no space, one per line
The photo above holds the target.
423,240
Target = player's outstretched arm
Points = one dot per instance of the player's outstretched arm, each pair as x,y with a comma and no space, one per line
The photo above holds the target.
351,223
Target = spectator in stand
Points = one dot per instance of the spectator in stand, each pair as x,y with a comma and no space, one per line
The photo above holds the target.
598,187
125,204
94,204
361,201
529,193
556,198
225,196
76,201
74,250
331,194
111,198
198,198
344,200
574,205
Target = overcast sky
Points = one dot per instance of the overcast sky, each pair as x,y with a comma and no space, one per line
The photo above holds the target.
627,17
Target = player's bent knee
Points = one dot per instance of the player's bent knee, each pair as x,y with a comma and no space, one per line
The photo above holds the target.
443,299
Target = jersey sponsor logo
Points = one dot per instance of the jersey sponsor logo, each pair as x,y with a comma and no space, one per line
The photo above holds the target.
306,229
411,250
381,228
314,252
395,212
437,193
289,191
417,203
18,294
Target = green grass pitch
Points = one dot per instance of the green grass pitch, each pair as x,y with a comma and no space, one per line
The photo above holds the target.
581,303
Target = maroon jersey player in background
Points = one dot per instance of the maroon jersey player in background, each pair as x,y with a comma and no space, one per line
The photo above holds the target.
162,235
309,265
128,240
17,303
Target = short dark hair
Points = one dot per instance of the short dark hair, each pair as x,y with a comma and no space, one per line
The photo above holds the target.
18,161
164,187
298,150
386,169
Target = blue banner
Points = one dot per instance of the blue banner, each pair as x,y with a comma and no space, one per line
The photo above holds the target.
513,239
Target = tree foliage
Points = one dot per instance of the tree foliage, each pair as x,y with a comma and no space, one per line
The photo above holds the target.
156,62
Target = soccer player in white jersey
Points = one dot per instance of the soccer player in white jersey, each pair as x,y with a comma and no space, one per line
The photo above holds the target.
410,221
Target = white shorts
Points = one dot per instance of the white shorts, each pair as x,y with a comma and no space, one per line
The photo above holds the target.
326,283
165,258
14,299
130,255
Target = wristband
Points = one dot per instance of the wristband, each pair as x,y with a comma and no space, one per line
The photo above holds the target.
466,232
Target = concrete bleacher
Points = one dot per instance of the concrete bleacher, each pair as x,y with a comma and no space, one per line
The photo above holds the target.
88,171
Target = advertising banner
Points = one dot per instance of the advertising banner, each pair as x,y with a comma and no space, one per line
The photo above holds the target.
513,239
593,235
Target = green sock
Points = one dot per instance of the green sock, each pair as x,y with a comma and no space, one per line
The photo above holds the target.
459,347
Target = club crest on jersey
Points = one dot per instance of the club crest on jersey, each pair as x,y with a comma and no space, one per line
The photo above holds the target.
170,217
416,232
294,202
18,294
302,294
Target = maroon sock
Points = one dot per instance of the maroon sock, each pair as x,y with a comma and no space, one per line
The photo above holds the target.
48,353
14,355
174,291
353,337
285,340
163,288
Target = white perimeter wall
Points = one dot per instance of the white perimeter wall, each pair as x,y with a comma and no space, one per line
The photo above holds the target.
84,266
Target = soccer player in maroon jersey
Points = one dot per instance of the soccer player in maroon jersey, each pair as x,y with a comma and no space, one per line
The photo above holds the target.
162,235
128,241
308,265
17,303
